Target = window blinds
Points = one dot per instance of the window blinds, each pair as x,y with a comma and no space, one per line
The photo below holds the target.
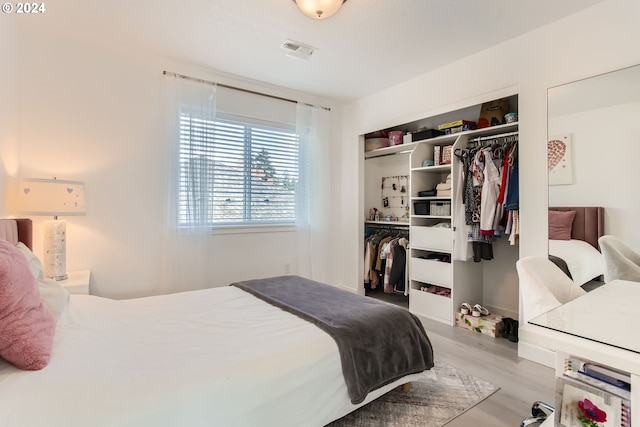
236,171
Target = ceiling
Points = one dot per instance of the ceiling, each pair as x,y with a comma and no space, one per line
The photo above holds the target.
367,46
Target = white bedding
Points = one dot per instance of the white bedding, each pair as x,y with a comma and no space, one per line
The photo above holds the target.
237,361
583,260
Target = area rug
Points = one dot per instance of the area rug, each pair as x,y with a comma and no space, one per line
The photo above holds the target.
437,397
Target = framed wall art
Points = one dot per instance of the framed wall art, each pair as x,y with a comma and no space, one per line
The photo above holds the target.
559,160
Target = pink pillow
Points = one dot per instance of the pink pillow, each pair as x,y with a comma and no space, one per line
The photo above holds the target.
26,326
560,224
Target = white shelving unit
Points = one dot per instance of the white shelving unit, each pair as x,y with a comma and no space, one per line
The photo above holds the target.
463,279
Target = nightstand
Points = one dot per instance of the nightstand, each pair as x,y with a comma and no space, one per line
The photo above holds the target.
77,282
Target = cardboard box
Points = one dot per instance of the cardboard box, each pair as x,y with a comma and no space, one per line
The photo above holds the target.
461,128
456,123
490,325
445,157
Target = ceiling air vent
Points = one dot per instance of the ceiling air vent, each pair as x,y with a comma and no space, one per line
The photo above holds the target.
297,49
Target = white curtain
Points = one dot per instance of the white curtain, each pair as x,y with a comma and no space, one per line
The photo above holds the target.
313,204
186,251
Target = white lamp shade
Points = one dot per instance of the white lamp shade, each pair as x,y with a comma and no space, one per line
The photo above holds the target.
319,9
51,197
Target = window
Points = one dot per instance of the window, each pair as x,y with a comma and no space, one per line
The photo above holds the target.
234,171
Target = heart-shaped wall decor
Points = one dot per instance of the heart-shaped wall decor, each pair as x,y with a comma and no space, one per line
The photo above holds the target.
69,190
556,150
26,190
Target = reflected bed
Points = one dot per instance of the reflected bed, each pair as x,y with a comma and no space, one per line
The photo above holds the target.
573,241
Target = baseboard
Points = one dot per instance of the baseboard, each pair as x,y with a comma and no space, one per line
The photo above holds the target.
502,311
537,354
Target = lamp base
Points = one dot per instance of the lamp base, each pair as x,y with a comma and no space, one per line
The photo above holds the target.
55,249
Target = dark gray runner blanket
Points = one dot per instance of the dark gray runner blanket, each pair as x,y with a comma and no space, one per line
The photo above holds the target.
378,342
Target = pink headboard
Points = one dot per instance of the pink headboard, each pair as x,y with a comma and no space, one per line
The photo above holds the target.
17,230
588,224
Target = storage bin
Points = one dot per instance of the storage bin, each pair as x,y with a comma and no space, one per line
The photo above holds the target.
371,144
488,325
426,134
421,208
437,239
440,208
396,137
428,193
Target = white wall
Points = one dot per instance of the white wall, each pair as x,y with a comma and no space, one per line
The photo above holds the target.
596,40
93,110
9,108
606,149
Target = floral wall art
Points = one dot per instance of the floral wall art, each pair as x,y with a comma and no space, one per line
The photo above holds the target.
559,160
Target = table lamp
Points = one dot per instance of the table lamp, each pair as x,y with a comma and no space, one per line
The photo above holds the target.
52,197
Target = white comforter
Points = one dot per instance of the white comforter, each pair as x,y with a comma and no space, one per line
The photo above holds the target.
216,357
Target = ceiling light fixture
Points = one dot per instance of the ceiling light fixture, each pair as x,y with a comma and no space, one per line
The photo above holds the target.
319,9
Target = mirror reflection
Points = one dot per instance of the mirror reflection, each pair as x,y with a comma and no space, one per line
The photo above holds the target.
593,158
594,164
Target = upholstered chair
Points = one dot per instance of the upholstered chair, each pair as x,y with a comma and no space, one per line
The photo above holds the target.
543,286
620,260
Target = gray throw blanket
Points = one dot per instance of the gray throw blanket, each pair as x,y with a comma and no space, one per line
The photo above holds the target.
378,342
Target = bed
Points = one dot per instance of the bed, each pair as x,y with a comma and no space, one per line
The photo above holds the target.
222,356
573,241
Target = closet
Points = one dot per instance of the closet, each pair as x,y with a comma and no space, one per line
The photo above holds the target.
386,257
441,270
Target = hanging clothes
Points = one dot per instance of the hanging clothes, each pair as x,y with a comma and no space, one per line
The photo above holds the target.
488,192
385,258
462,246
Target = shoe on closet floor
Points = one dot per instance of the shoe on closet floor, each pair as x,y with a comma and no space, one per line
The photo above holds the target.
479,310
509,329
505,330
513,333
465,308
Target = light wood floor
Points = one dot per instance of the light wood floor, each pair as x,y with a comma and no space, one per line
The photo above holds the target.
495,360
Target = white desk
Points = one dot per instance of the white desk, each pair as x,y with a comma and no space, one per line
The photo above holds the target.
606,315
609,312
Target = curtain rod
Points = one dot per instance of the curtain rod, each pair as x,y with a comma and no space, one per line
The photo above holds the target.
193,79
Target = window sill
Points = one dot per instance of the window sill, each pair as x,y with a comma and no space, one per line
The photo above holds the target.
249,229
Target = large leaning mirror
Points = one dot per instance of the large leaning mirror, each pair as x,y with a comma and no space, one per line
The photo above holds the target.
594,161
594,166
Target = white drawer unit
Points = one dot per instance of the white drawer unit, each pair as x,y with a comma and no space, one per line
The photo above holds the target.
431,271
430,305
437,239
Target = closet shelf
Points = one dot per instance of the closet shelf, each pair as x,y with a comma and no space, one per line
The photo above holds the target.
439,168
440,140
387,151
391,223
416,199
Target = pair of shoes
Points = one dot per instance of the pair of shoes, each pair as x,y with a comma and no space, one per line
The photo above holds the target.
510,329
465,308
479,310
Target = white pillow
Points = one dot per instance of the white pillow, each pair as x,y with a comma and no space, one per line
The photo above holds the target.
55,297
583,260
